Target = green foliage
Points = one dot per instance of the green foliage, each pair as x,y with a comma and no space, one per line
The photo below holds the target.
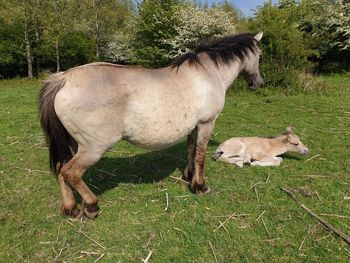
156,22
299,36
12,59
284,48
326,28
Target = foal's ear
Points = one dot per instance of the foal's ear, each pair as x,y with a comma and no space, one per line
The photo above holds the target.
289,129
259,36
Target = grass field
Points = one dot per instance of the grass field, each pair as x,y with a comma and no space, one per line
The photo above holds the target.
260,222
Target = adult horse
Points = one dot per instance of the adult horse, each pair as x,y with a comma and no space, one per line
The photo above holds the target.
86,110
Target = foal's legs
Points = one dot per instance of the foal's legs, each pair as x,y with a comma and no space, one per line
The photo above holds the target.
275,161
232,160
72,173
203,135
261,159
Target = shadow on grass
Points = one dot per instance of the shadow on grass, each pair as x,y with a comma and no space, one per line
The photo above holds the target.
293,156
145,168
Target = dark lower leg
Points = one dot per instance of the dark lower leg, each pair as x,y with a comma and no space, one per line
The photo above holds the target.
198,183
191,145
72,173
203,135
68,205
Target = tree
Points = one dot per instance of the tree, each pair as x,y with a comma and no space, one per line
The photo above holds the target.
165,29
21,14
285,49
194,25
59,22
326,27
101,19
155,22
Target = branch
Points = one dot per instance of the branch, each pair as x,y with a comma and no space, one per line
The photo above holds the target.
325,223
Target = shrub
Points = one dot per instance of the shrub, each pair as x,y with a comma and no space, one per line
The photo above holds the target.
284,49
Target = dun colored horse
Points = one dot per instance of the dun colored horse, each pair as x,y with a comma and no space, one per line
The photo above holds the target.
86,110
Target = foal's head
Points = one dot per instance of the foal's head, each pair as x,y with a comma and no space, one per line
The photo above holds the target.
251,71
293,142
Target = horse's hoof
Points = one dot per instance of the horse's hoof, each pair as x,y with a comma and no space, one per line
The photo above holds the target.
71,212
200,189
187,176
91,210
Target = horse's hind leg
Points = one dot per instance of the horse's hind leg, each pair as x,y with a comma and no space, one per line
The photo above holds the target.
72,173
68,205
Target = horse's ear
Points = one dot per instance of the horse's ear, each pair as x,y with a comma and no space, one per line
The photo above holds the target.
289,129
259,36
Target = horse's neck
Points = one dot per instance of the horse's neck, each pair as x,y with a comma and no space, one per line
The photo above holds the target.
278,146
228,72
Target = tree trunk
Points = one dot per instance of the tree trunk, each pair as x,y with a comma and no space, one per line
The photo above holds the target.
97,30
37,61
97,38
57,56
28,51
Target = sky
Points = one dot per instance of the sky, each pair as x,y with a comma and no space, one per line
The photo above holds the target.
246,6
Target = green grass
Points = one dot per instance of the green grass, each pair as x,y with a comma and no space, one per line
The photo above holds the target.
133,221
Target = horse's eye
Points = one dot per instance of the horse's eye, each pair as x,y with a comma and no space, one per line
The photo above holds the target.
296,144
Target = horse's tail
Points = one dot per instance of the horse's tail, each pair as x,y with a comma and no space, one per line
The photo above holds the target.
61,144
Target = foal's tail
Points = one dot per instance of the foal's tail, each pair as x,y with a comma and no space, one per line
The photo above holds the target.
61,143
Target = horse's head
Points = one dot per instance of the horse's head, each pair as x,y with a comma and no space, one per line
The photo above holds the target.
293,142
251,71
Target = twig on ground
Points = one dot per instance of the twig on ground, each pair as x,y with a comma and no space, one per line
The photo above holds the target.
179,179
334,215
102,255
325,223
312,175
59,254
148,257
226,221
235,215
58,232
318,196
313,157
256,193
105,172
319,239
302,243
85,235
178,229
223,226
267,231
257,219
167,201
212,249
32,170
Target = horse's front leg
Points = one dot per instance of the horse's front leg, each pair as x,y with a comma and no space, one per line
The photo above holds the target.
191,145
203,135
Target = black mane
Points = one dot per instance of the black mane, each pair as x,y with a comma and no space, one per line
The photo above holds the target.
223,50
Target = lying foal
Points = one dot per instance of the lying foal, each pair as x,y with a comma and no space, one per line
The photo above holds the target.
259,151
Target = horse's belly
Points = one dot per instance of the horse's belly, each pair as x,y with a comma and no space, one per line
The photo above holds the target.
159,135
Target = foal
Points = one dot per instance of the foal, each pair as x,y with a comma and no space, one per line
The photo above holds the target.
259,151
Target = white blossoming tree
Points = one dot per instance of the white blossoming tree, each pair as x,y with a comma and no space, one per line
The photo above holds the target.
194,25
158,34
